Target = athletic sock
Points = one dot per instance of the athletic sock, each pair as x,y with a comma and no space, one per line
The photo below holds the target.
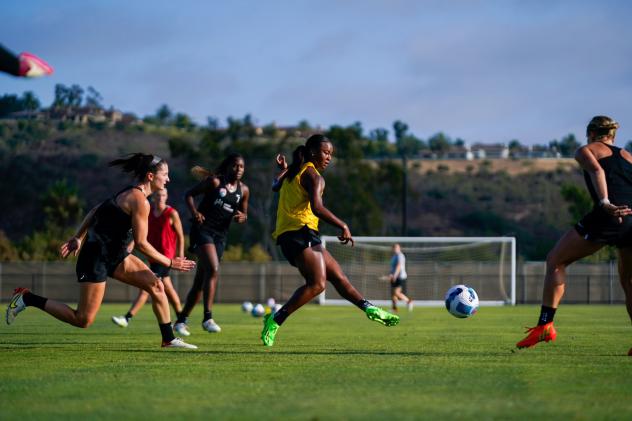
33,300
128,316
167,332
363,304
207,315
546,315
280,316
181,318
178,314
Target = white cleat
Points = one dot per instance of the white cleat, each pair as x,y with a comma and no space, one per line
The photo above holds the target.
16,304
181,329
178,343
211,327
411,305
120,321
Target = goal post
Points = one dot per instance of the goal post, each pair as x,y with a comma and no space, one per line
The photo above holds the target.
433,265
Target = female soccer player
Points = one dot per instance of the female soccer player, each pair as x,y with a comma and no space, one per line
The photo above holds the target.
398,277
225,199
608,176
165,235
111,227
300,208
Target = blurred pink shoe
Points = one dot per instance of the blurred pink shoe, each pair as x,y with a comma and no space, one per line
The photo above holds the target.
33,66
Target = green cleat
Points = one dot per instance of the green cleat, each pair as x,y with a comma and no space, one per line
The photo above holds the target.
269,331
381,316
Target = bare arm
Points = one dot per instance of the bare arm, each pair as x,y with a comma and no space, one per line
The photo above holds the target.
241,215
314,184
278,180
203,186
177,226
74,243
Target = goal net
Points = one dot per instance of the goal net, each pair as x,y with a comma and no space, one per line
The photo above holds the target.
433,265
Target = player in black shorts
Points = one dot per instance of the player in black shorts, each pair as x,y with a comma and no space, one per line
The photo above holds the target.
225,198
608,176
108,234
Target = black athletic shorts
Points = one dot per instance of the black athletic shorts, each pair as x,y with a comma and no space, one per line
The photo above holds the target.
95,265
159,270
399,282
599,227
201,235
294,242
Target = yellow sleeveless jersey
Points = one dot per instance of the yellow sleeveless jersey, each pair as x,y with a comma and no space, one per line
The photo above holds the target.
295,210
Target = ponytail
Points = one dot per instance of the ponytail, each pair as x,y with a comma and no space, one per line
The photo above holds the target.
200,173
298,159
300,154
138,164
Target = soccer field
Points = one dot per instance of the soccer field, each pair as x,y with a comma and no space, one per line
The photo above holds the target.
327,363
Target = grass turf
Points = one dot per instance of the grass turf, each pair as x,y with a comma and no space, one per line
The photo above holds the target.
327,363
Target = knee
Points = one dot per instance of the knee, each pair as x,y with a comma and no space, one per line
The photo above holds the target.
84,321
318,286
553,264
155,288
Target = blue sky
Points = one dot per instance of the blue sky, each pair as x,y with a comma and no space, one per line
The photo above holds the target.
487,71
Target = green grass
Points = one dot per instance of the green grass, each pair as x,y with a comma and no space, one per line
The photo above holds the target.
327,363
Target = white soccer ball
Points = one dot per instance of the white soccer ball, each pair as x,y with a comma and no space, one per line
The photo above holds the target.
276,308
271,302
461,301
258,310
246,306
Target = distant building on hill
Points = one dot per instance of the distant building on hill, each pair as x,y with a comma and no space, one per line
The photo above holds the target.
78,115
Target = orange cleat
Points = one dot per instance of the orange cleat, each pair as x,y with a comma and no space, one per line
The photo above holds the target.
537,334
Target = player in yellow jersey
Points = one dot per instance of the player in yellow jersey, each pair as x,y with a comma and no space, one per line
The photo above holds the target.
300,208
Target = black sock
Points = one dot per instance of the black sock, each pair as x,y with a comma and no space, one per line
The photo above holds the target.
128,316
280,316
181,318
32,300
546,315
178,314
207,315
167,332
363,304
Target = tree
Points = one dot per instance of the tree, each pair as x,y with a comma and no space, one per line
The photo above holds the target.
94,98
580,202
62,205
75,96
439,143
164,114
400,129
568,145
183,121
30,101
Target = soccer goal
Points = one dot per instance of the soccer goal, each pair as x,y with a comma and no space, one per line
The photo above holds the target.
433,264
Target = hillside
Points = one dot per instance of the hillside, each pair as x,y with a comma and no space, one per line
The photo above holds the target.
445,197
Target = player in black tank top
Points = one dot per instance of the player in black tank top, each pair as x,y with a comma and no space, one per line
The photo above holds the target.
608,175
225,198
110,228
